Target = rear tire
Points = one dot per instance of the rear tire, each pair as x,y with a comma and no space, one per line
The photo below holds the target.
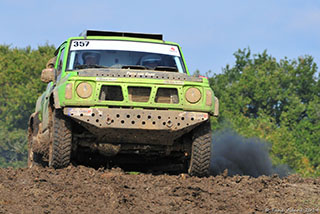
201,150
61,141
34,158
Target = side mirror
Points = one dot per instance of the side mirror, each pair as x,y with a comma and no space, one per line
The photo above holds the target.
48,75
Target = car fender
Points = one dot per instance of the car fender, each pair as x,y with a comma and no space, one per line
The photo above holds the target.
56,101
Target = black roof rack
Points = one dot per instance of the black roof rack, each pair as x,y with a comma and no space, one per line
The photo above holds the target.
123,34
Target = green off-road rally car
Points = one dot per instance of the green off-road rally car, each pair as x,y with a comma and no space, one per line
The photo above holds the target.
125,97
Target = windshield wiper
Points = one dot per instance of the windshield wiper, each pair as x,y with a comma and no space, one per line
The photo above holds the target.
134,67
90,66
165,68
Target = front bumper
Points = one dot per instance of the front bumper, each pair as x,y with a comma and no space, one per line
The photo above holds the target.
136,125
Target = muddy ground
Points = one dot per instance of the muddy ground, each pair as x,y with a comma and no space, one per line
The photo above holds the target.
86,190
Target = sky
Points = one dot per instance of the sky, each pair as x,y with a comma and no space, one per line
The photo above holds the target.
209,31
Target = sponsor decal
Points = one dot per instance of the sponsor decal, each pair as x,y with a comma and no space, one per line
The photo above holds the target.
79,112
140,73
106,79
174,82
172,49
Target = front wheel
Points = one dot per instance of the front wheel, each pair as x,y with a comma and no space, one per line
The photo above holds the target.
61,141
201,150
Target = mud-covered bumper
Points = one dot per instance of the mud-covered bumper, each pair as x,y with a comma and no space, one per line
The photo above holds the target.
136,118
136,125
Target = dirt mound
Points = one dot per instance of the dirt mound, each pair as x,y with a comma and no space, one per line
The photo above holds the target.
86,190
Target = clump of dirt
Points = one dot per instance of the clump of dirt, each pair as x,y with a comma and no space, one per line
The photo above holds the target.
86,190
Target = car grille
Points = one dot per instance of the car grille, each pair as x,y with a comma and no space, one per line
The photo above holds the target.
111,93
167,95
139,94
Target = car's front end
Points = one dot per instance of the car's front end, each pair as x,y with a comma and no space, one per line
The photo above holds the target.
132,94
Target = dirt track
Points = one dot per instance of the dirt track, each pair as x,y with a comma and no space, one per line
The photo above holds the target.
86,190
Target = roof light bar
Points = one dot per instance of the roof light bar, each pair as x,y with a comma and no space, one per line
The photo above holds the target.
122,34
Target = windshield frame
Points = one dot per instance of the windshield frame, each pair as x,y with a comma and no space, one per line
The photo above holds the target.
179,54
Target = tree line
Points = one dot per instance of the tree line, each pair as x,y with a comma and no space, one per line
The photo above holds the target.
260,96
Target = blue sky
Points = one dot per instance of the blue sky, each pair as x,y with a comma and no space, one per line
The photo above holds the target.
209,31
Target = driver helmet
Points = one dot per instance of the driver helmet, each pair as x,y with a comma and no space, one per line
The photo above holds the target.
151,60
91,58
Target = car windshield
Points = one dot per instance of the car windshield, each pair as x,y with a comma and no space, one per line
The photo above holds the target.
124,55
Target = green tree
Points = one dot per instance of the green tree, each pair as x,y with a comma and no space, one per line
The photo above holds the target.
276,101
20,84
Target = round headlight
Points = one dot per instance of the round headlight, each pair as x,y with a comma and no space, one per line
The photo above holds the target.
193,95
84,90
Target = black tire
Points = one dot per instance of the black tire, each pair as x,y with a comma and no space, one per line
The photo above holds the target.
201,150
61,141
34,158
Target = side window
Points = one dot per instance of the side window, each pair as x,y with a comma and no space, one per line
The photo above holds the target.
60,63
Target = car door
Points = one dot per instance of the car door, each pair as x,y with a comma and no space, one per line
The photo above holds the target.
46,113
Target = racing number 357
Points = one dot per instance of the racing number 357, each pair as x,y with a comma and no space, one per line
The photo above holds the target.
80,43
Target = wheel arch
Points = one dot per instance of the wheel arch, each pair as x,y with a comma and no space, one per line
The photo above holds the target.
54,100
33,123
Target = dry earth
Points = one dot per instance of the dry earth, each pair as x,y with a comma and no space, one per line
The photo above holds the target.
86,190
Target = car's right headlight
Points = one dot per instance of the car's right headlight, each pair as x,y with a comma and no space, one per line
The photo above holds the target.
84,90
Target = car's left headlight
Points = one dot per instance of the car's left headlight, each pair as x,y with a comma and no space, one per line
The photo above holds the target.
193,95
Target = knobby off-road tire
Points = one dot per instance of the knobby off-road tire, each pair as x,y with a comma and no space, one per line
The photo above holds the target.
31,158
201,150
34,158
61,141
